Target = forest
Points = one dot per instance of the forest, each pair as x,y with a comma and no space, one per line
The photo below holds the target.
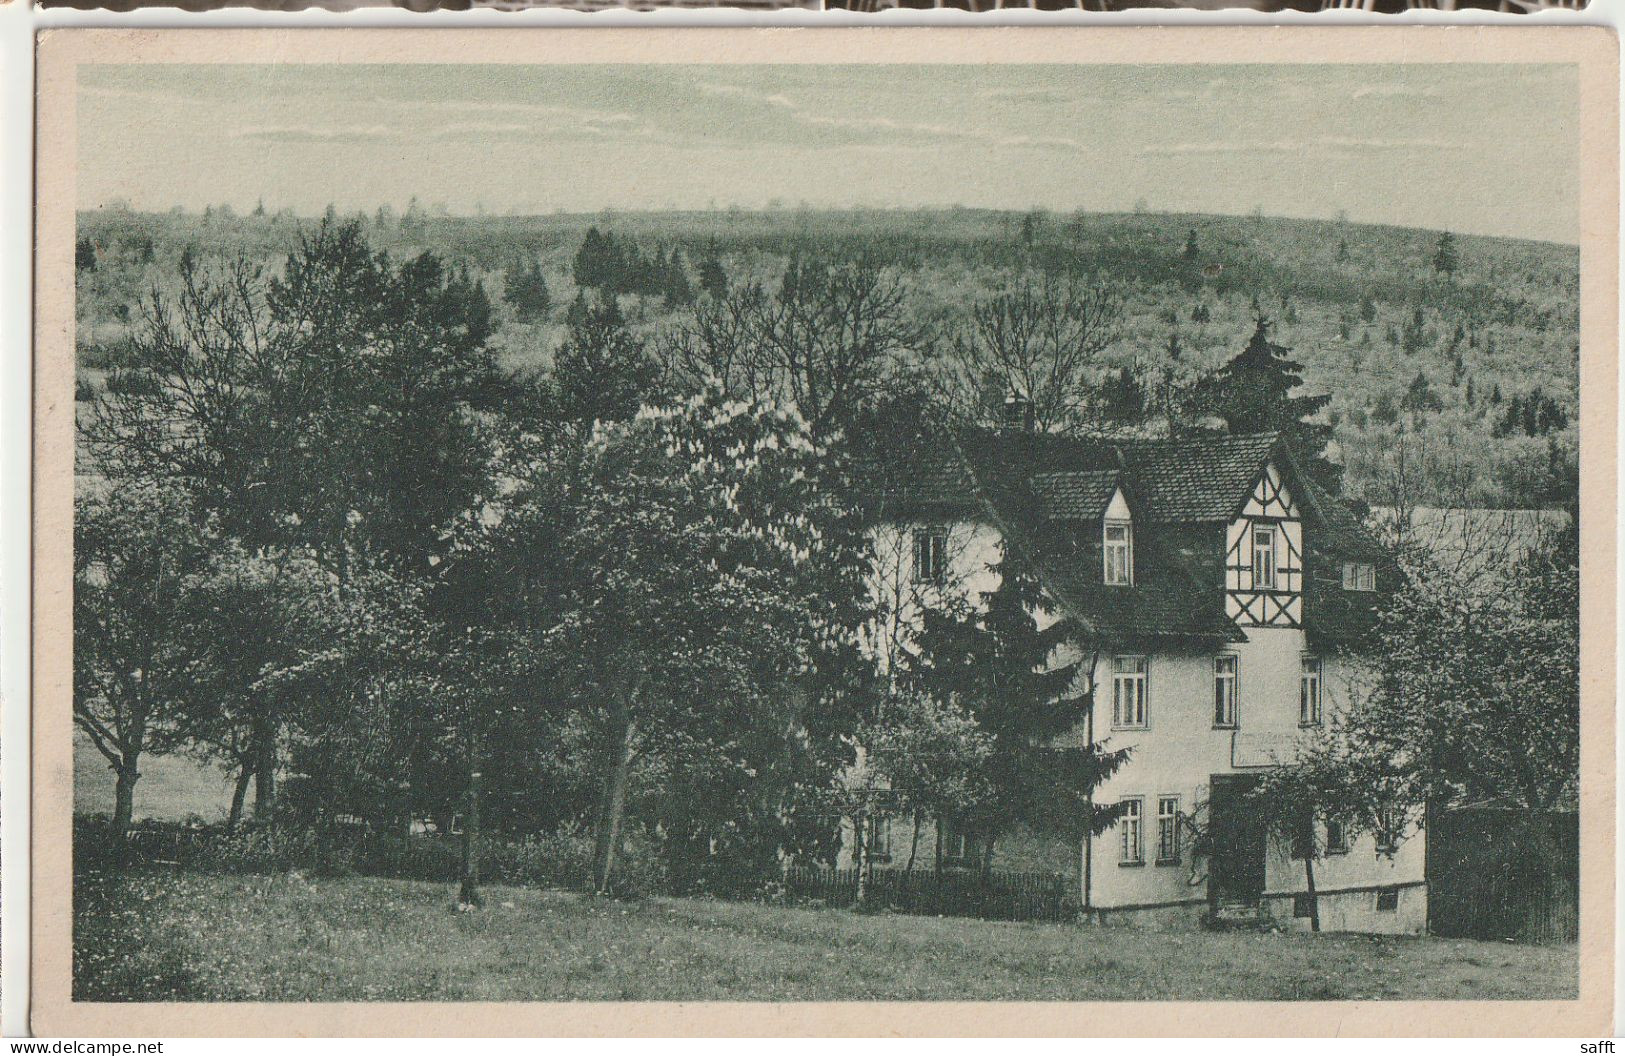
1450,362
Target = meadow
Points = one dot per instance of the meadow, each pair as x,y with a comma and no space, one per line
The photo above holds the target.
287,937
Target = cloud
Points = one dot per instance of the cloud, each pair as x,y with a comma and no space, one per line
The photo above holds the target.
1396,91
773,99
1315,144
308,134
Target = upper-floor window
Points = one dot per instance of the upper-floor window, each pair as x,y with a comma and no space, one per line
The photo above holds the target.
1309,692
1390,822
1337,836
1359,576
930,554
1263,557
1128,690
1129,825
1119,550
1225,670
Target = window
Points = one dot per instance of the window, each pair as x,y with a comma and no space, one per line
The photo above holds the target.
1387,899
1224,690
1309,693
1119,548
930,554
877,831
1337,837
1359,576
1129,825
1303,906
1264,557
1389,824
1128,690
1167,830
960,846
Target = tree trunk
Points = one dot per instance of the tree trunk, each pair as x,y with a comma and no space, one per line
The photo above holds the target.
264,770
613,807
469,893
913,846
937,866
238,795
1314,900
124,796
860,828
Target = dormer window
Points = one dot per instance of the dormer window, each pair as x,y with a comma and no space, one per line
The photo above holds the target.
931,554
1119,553
1359,576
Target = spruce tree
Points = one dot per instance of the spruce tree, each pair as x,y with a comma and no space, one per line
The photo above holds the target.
713,279
526,290
997,661
678,291
1446,259
1258,392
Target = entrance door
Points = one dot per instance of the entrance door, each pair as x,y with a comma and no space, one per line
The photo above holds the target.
1237,840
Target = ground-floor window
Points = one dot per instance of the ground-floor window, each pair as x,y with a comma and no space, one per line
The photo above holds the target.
1387,899
960,846
1133,851
877,833
1168,848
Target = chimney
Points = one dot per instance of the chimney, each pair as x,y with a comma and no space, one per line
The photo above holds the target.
1018,414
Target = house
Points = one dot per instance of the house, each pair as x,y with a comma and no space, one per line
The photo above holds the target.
1222,596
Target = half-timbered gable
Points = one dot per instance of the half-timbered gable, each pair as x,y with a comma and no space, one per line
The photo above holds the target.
1264,556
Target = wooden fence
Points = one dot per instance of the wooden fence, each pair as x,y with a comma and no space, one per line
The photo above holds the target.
1000,895
997,895
1486,881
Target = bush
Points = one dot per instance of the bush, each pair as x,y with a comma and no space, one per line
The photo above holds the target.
559,859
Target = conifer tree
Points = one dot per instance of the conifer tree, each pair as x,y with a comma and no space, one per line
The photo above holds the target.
1446,258
677,289
997,660
526,290
1260,391
713,279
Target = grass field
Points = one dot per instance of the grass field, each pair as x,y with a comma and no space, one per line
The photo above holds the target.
171,787
168,936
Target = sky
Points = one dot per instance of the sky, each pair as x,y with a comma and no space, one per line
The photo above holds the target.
1475,148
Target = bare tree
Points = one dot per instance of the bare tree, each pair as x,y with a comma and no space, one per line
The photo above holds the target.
831,335
1039,341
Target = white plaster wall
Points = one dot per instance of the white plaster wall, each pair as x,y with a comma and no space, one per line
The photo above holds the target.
973,548
1180,750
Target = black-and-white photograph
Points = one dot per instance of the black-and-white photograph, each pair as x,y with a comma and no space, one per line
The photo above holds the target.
803,532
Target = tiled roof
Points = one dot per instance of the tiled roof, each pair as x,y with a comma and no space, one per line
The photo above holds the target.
1035,488
1200,478
1166,601
1194,479
1075,496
